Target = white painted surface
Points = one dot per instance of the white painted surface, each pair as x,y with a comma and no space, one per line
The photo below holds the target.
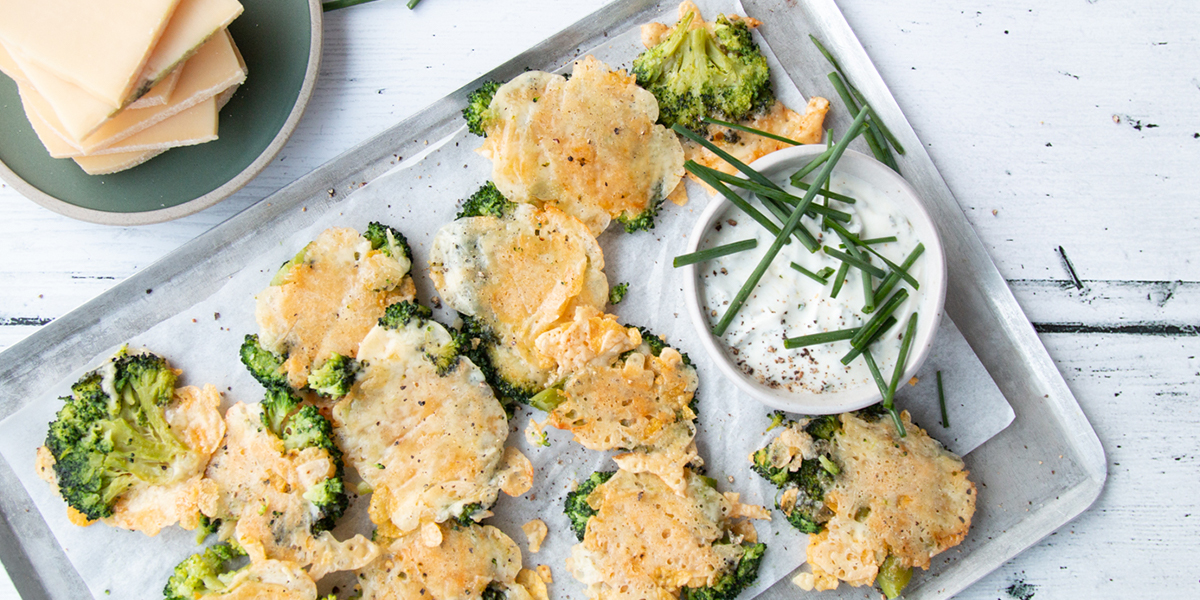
1016,102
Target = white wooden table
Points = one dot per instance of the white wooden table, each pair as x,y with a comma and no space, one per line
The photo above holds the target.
1071,125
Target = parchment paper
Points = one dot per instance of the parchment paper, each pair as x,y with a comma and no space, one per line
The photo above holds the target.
417,197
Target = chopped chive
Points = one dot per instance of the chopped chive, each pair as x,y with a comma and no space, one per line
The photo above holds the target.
876,320
809,274
819,338
825,273
783,214
879,240
812,165
738,127
867,283
829,57
857,263
727,157
902,359
413,4
777,194
876,133
737,200
830,213
897,269
875,374
828,194
892,279
887,133
941,397
794,221
854,352
715,252
874,143
839,280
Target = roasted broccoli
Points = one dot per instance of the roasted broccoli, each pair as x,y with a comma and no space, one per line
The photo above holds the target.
493,592
206,573
476,113
657,343
715,71
278,405
308,428
112,433
464,518
486,201
477,341
335,377
287,266
733,581
264,365
617,293
643,221
577,509
392,242
442,348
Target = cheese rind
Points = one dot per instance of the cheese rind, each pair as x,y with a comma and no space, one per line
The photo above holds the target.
99,46
160,93
193,23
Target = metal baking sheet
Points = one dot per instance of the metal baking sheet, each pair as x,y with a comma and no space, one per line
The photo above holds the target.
1037,474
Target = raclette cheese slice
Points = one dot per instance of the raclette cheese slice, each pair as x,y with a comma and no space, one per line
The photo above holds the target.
80,112
100,46
213,69
9,67
193,24
195,125
106,164
160,93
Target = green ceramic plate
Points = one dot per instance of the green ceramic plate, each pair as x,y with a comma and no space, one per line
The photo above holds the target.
281,42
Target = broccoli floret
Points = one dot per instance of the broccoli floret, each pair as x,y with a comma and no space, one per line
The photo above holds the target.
308,428
264,365
643,221
287,266
577,509
617,293
823,427
812,480
733,581
334,378
392,242
464,518
696,73
656,343
207,527
487,201
493,592
203,574
278,405
476,113
477,341
400,314
103,444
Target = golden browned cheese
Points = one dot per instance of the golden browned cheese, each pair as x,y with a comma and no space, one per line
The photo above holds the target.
640,403
647,542
269,579
261,486
427,444
520,276
589,145
748,147
195,420
464,562
329,300
911,496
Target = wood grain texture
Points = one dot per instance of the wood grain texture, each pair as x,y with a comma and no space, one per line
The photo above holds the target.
1071,124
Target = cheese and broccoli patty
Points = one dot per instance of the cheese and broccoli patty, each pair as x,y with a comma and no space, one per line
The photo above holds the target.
460,562
322,302
514,277
644,541
212,575
271,494
589,145
733,85
877,503
423,428
129,448
641,401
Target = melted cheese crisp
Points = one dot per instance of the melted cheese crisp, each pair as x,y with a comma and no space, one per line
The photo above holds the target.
261,487
467,560
637,403
647,542
195,420
327,299
274,579
911,495
428,444
589,145
520,276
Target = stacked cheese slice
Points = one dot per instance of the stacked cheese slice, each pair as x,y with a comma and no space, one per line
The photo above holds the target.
114,83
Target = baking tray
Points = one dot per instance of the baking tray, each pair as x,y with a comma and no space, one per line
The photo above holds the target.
1040,472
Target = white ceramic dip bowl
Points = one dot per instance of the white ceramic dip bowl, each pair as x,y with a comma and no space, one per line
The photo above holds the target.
813,380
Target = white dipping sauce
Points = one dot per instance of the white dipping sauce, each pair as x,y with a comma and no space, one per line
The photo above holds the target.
788,304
